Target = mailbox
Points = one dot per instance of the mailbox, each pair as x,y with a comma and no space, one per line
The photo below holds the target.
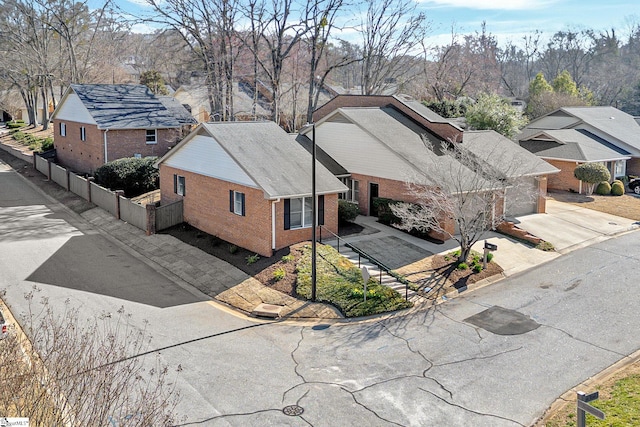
490,246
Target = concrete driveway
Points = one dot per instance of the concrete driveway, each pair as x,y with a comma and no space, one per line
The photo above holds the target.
569,227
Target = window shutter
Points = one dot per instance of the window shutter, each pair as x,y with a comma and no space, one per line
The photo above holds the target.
242,199
287,214
321,210
184,186
231,201
175,183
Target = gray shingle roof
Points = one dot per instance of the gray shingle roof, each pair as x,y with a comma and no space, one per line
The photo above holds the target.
611,121
178,110
571,144
272,158
326,160
126,107
504,155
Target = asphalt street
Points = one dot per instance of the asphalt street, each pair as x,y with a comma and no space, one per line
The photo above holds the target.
553,327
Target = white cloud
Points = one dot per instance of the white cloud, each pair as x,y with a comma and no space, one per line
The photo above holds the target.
491,4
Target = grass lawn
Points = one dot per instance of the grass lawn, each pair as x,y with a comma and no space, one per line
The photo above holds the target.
626,206
619,400
339,283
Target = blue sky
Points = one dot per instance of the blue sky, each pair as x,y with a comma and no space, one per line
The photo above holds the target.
507,19
511,19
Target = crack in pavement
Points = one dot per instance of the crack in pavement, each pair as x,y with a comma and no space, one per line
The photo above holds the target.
471,410
584,341
479,357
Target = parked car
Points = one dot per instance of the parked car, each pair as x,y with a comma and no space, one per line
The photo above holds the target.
634,185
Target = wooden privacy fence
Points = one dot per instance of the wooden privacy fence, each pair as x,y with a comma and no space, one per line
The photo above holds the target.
148,218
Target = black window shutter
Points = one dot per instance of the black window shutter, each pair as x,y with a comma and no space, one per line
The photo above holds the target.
184,186
175,183
242,199
287,214
321,210
231,201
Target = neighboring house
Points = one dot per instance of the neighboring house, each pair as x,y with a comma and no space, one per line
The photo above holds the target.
196,97
567,148
248,183
95,124
608,126
378,146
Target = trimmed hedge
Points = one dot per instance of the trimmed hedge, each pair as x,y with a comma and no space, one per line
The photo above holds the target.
603,189
133,176
347,211
617,188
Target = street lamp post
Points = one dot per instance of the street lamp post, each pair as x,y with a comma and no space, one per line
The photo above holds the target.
314,213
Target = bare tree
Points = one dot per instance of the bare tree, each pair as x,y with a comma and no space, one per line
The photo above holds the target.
72,372
464,194
391,30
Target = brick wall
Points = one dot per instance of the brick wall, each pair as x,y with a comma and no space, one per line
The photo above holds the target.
206,207
633,166
564,180
87,156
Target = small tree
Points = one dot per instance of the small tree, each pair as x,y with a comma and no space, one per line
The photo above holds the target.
462,187
68,371
154,81
591,174
494,112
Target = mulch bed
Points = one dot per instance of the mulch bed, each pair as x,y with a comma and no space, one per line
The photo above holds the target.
461,278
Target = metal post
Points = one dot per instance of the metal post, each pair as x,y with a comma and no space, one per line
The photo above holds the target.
582,416
314,213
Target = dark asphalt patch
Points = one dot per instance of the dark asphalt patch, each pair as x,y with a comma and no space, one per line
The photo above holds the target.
502,321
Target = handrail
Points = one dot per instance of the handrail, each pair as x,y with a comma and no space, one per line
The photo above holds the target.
372,259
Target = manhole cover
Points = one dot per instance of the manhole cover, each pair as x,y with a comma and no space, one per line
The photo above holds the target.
293,410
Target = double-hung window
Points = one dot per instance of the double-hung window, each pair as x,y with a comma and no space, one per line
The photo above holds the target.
236,202
152,136
298,213
179,185
63,129
354,190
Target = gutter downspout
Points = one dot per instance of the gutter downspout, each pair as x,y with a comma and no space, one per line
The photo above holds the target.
273,223
105,146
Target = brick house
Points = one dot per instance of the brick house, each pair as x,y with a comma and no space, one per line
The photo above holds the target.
95,124
567,148
378,145
605,134
248,183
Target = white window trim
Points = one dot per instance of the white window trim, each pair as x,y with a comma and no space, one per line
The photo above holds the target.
237,203
350,196
155,136
180,188
302,215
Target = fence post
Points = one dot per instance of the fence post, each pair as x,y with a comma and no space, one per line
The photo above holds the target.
68,180
118,193
89,181
35,161
151,219
49,170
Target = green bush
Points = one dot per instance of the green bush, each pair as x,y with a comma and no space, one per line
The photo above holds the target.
463,266
603,189
347,211
591,173
385,214
252,259
279,274
133,176
287,258
19,136
617,188
477,268
233,249
15,124
47,143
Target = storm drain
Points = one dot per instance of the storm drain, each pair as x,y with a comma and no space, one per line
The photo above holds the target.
293,410
503,321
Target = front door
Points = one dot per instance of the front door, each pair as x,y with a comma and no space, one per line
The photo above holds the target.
373,193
